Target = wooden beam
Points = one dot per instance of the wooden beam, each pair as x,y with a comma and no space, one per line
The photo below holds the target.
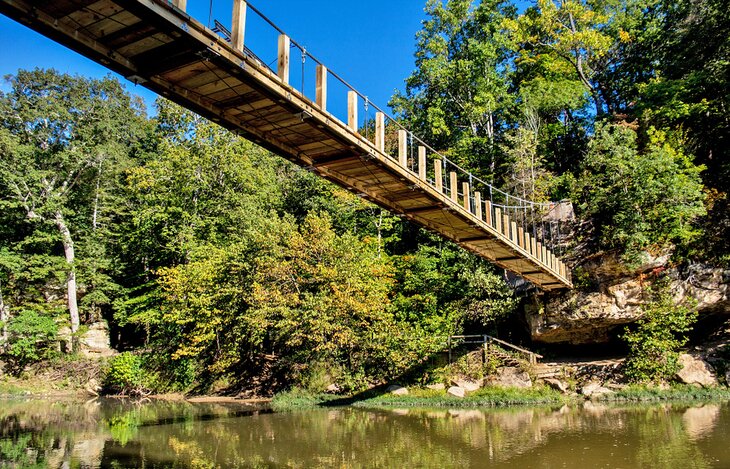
505,231
538,251
498,220
238,24
465,191
430,208
513,233
534,248
321,87
422,163
352,110
521,237
488,212
403,148
180,4
478,204
284,52
438,176
475,238
454,186
380,131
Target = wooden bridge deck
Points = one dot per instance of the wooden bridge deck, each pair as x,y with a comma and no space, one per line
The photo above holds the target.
156,44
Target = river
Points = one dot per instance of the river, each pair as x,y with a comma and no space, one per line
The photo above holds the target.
156,434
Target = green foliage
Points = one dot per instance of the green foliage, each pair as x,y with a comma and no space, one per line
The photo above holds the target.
31,338
655,342
639,198
683,392
125,374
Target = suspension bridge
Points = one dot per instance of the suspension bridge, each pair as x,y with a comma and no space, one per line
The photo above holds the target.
310,116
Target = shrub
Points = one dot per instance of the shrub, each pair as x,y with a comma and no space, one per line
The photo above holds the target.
125,375
654,344
31,338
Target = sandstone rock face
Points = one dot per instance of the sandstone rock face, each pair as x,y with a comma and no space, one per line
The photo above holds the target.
95,341
510,377
695,371
397,390
592,317
456,391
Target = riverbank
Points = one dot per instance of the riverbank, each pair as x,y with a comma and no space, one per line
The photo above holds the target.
298,399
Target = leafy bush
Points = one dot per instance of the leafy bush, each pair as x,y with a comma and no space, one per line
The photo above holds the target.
126,375
31,338
654,344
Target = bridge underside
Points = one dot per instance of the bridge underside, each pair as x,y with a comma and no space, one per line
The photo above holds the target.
162,48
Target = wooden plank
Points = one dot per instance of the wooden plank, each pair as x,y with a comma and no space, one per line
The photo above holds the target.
498,220
282,66
238,24
422,163
478,204
352,110
403,148
439,178
534,248
380,131
454,186
506,226
513,233
465,192
488,212
521,237
321,87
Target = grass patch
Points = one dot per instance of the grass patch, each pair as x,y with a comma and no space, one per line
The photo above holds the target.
297,398
485,397
675,393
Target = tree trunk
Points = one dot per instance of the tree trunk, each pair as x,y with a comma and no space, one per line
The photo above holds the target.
4,317
68,251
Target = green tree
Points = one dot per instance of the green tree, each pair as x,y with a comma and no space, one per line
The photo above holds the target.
639,198
58,136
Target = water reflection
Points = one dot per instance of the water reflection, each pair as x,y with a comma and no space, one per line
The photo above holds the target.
107,433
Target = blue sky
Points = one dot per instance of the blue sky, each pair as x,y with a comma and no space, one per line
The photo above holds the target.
369,43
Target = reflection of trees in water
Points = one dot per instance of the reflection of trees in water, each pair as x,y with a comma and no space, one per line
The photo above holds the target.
178,434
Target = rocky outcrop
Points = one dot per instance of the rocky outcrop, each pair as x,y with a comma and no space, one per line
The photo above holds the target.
467,384
95,341
397,390
456,391
589,317
510,377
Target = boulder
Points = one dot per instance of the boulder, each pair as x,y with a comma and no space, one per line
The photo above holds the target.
333,388
397,390
727,378
510,377
468,384
436,387
595,389
456,391
557,384
695,371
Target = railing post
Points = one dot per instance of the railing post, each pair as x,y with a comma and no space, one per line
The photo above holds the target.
488,212
528,243
380,131
283,64
538,252
465,190
238,24
498,220
180,4
454,183
534,248
478,204
521,237
438,176
321,87
403,147
513,234
422,163
352,110
505,220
